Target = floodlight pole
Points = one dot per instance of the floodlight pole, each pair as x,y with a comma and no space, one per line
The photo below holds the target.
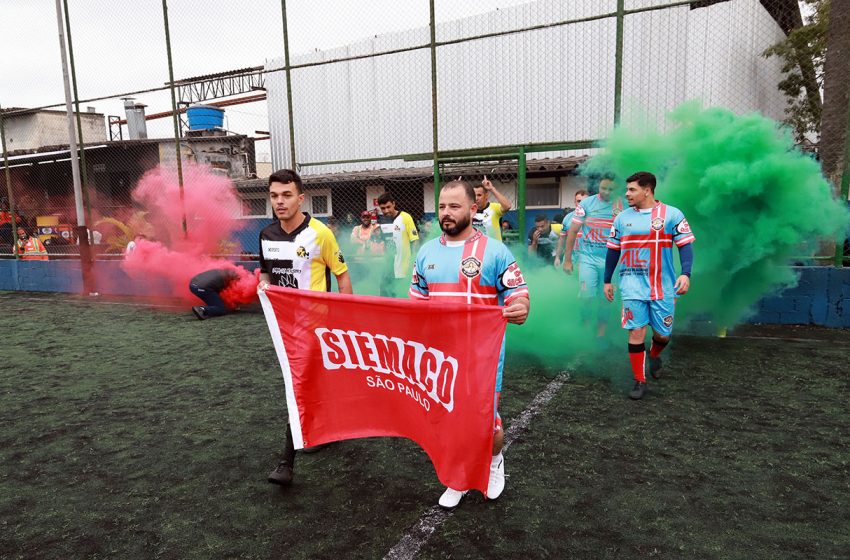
82,230
176,118
289,110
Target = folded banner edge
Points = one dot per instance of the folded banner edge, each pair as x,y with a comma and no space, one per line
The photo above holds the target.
283,358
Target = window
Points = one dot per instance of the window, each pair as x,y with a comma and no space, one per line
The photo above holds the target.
543,193
254,205
318,202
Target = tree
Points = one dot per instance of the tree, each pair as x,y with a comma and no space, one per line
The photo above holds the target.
836,93
803,51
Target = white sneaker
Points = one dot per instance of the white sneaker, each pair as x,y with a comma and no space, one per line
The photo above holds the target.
451,498
497,477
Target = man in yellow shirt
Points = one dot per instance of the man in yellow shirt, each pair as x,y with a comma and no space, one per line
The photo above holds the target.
297,251
488,218
401,241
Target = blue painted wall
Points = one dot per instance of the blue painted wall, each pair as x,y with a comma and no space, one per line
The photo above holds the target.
822,297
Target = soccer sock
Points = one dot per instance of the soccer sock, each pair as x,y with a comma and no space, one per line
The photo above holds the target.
656,348
289,447
637,355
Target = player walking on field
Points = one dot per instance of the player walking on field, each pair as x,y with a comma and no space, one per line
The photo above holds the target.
467,267
297,251
644,236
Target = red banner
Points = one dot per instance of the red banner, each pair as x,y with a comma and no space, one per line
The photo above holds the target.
363,366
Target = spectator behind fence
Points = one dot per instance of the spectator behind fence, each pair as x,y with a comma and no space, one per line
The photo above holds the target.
366,236
30,248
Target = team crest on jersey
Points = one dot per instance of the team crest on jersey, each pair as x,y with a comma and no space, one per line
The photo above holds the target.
470,267
683,227
668,321
657,223
302,252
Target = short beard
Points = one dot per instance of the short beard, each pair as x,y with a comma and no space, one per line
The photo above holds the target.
455,229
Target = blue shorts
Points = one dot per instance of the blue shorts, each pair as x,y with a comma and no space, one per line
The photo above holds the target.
590,279
658,314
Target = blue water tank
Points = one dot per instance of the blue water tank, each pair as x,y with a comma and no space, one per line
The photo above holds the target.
203,117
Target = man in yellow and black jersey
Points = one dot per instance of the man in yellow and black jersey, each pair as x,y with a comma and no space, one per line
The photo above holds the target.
297,251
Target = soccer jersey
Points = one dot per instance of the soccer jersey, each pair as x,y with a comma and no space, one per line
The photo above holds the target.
479,270
303,259
646,239
565,230
595,216
489,220
398,233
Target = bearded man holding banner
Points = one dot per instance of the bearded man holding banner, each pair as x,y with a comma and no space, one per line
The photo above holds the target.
297,251
466,267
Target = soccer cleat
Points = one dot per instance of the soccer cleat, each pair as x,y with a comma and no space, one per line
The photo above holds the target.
199,312
451,498
497,477
282,474
639,391
655,367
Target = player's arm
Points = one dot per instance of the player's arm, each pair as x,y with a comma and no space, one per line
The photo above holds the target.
264,281
344,282
568,250
265,278
532,241
686,256
502,199
612,257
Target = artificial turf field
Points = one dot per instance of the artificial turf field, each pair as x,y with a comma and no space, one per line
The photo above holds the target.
138,432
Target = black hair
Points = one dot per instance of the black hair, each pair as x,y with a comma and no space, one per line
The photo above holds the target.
386,197
644,179
287,176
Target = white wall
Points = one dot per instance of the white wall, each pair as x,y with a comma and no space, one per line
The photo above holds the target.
49,128
553,84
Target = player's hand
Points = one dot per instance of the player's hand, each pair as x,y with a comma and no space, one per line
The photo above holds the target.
568,266
516,312
488,186
261,287
536,235
609,292
682,285
557,261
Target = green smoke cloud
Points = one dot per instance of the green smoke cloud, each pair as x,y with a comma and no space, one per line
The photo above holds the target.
752,199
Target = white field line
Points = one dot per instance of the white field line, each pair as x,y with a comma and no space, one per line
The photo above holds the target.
412,542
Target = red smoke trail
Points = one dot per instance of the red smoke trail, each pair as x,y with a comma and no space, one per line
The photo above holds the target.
169,255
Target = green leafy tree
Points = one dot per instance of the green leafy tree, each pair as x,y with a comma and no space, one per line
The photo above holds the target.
803,52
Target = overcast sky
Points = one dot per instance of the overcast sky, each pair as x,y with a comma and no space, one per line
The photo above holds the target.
119,45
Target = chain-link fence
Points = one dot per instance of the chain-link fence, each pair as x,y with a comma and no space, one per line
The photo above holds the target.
361,98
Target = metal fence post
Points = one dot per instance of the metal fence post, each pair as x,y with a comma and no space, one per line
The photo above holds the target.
618,62
175,118
434,119
520,196
288,86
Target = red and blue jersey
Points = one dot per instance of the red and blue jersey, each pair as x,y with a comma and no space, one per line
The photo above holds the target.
645,239
479,270
595,216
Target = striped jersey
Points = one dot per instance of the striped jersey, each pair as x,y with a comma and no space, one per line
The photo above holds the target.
488,220
479,270
398,233
646,238
595,216
303,259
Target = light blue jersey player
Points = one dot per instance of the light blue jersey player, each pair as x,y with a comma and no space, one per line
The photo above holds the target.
591,224
641,241
466,267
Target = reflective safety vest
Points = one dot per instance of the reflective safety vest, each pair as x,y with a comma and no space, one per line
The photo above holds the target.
32,250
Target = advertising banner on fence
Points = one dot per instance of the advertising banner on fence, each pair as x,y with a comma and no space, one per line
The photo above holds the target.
363,366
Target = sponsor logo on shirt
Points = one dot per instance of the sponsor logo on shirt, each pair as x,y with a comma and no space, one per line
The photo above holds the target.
302,252
512,277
